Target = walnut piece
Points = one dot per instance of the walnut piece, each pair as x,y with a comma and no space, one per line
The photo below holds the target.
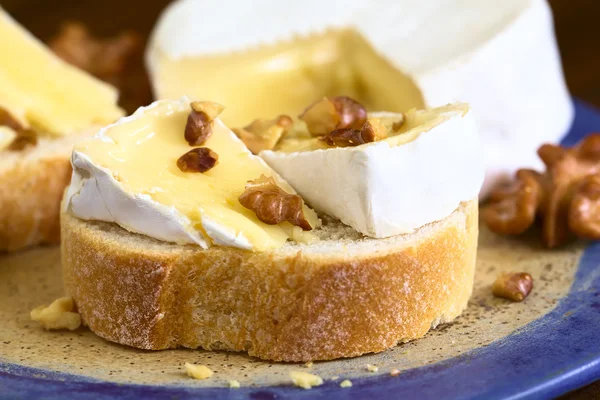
22,136
584,211
117,60
199,123
263,134
58,315
7,137
565,197
513,208
200,159
103,58
371,131
513,286
331,113
272,204
7,119
24,139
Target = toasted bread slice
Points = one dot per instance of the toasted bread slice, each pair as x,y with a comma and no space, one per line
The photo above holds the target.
32,182
342,296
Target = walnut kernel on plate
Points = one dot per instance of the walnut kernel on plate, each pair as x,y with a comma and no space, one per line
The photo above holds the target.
565,197
514,286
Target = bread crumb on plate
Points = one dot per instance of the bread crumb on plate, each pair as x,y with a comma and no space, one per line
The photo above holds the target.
372,368
198,371
58,315
305,380
346,383
234,384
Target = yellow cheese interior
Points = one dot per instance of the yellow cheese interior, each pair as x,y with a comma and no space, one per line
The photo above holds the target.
142,156
287,77
50,94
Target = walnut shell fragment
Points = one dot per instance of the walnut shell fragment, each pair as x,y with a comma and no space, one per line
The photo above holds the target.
200,159
199,123
331,113
272,204
264,134
513,286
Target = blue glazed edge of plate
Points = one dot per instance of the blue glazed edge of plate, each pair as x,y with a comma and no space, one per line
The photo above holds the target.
551,356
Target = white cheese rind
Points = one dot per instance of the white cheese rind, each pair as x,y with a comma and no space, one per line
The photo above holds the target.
500,57
382,190
94,194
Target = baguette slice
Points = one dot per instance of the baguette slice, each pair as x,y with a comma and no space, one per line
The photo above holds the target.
32,182
343,296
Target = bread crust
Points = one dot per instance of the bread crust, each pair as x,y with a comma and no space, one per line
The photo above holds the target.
292,305
31,190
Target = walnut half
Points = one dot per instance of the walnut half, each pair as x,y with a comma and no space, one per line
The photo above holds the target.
272,204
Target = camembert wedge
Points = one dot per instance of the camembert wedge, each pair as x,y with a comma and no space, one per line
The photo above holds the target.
430,162
128,174
41,90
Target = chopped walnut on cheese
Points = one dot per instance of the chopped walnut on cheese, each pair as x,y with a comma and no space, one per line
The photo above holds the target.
305,380
58,315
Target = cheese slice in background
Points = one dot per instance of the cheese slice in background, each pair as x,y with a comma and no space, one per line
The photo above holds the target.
51,95
418,175
128,174
264,58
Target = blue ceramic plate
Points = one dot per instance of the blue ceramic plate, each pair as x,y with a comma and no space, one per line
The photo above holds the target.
554,354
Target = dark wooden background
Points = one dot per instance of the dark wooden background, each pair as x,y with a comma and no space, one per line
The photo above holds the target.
577,29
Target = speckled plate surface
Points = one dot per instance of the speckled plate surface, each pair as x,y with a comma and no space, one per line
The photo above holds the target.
547,345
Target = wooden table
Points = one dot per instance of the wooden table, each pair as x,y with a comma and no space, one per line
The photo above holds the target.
577,28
